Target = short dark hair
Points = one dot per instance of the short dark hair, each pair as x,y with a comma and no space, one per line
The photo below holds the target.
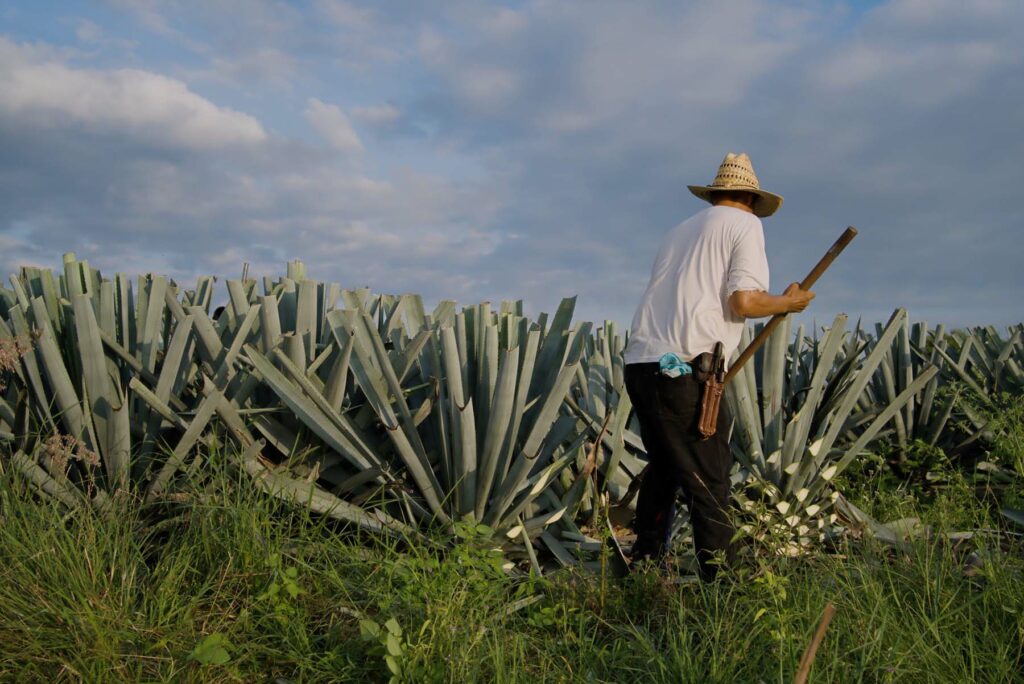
743,196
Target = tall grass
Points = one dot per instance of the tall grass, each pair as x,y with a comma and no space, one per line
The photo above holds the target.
237,587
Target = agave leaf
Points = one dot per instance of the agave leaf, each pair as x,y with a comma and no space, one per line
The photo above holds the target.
237,299
925,422
884,417
68,405
617,434
124,303
773,388
745,433
192,435
906,369
337,378
541,483
173,305
105,313
553,347
19,292
306,317
104,399
307,405
486,379
32,363
889,383
60,490
152,322
406,360
461,418
72,276
157,404
497,427
542,422
798,430
381,387
859,381
173,374
211,350
958,370
270,323
226,369
305,493
444,313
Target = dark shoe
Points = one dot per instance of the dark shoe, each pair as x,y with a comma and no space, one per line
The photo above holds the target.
646,556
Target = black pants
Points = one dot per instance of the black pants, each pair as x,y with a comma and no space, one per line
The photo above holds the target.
668,409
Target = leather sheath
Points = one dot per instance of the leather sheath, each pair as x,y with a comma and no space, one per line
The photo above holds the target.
710,401
713,383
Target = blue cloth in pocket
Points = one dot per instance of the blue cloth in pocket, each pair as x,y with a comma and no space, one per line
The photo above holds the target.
671,365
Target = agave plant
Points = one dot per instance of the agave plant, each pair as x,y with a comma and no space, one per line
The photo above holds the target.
808,426
989,367
363,407
115,388
926,417
470,406
988,362
600,401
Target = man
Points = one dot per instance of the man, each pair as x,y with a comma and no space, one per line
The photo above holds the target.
711,273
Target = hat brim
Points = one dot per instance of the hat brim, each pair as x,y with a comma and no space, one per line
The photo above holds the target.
766,204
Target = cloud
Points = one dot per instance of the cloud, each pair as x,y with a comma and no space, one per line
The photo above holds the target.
139,192
43,92
537,150
265,65
875,120
378,115
924,55
333,125
88,31
347,14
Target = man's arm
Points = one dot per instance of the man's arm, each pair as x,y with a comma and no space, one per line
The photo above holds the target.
757,304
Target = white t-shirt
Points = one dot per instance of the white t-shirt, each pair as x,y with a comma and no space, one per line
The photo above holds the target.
702,261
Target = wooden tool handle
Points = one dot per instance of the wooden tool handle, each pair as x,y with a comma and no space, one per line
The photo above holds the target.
805,284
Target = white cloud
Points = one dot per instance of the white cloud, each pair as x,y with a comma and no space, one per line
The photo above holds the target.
924,53
259,66
347,14
570,67
133,191
147,13
378,115
333,125
550,142
41,91
486,87
88,31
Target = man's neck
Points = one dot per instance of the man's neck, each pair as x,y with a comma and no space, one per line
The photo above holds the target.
735,205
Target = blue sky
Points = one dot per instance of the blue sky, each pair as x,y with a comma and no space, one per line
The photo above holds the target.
527,150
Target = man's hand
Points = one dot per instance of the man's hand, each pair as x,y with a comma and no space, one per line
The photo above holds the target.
756,304
799,299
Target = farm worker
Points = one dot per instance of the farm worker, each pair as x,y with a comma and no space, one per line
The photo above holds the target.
710,275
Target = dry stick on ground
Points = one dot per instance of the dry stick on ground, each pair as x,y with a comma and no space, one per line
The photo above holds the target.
812,648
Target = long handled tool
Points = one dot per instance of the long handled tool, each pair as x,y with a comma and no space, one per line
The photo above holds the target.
715,385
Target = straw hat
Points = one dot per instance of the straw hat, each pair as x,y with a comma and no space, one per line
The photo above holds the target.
737,173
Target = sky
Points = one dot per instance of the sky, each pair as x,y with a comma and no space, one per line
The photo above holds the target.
528,150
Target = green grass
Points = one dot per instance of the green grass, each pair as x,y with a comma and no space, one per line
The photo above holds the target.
235,586
239,588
